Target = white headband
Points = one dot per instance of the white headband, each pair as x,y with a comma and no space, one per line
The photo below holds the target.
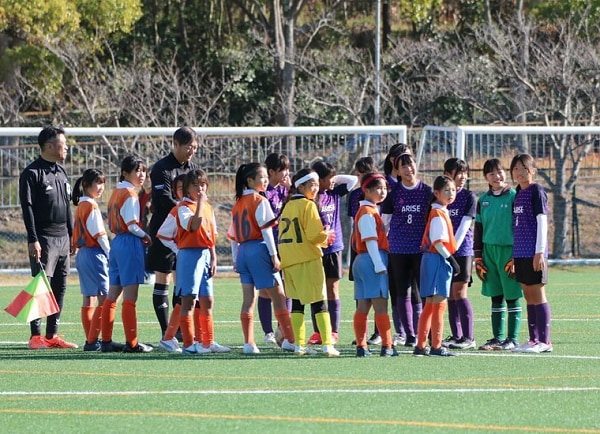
311,175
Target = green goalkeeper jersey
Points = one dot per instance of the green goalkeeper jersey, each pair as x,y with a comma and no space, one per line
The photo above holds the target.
495,213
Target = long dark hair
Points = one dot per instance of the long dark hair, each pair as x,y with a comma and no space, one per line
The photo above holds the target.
131,164
244,172
85,181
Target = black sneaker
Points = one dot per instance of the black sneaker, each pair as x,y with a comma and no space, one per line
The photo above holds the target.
362,352
111,347
139,348
462,344
388,352
440,352
420,352
95,346
411,341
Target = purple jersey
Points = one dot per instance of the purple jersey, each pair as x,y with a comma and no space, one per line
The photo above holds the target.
408,208
276,197
465,204
529,203
354,199
391,181
329,210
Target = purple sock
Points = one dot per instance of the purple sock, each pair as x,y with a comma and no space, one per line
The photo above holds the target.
335,314
542,320
405,313
532,322
454,319
417,308
265,315
466,317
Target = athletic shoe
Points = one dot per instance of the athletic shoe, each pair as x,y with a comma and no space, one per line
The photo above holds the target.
304,351
509,344
538,347
251,349
170,345
111,347
388,352
420,352
410,341
94,346
315,339
398,339
270,338
362,352
491,345
287,346
215,347
38,342
440,352
330,351
58,342
139,348
334,338
525,348
375,339
450,340
462,344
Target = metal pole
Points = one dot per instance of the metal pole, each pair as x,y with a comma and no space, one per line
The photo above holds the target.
378,64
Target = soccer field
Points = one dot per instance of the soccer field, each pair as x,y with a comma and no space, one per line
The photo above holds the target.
72,391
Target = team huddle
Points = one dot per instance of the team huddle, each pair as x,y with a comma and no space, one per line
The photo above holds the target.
413,248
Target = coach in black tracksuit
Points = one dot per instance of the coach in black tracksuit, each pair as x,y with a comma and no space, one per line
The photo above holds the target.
161,259
45,194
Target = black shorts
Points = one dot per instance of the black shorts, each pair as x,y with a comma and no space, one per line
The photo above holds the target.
466,269
332,264
525,275
56,256
160,258
404,273
352,258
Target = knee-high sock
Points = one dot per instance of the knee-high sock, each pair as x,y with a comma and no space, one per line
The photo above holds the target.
360,329
454,319
498,319
405,313
197,323
514,311
285,324
160,301
437,324
297,320
173,325
129,316
532,322
335,313
383,325
95,325
417,308
108,319
424,325
87,312
542,319
247,320
265,315
465,310
207,330
324,324
187,329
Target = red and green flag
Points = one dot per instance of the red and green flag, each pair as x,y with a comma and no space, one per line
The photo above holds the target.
35,301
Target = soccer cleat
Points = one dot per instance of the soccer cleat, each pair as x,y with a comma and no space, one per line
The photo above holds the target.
491,345
462,344
94,346
334,338
196,348
315,339
525,348
38,342
139,348
58,342
509,344
330,351
270,338
388,352
410,341
215,347
287,346
250,349
420,352
544,347
111,347
440,352
362,352
170,345
450,340
398,339
375,339
304,351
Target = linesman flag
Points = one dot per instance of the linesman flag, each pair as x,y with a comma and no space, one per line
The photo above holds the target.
35,301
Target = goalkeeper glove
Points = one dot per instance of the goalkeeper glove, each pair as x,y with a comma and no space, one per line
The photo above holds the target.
480,269
510,268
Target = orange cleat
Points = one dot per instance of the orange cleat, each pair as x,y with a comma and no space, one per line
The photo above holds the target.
38,343
58,342
315,339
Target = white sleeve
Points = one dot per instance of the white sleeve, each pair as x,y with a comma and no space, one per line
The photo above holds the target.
387,218
136,230
541,239
349,180
442,250
267,234
463,228
130,211
373,250
438,230
234,250
264,213
104,244
94,223
170,244
185,215
367,227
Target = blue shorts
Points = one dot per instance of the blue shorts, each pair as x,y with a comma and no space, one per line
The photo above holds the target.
126,261
92,267
436,275
193,273
254,264
367,283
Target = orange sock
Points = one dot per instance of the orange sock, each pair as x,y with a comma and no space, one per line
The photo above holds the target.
173,323
247,320
382,320
208,332
437,324
197,324
86,318
424,325
285,324
129,318
360,329
95,326
187,330
108,319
